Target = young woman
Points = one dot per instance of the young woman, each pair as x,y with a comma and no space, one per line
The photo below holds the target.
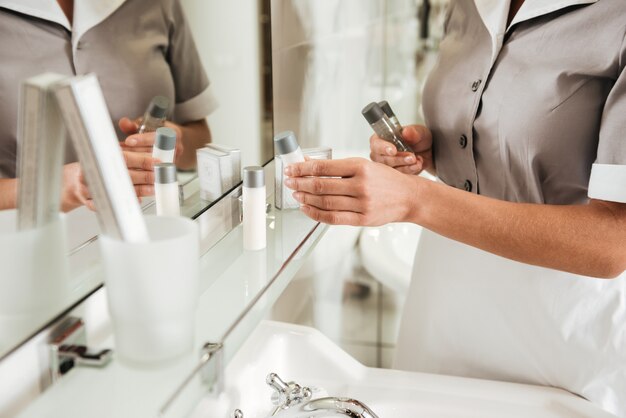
526,131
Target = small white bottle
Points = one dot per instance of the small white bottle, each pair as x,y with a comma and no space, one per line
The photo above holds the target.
286,148
166,190
164,145
254,229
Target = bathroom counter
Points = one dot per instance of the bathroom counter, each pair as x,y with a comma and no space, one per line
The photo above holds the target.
237,290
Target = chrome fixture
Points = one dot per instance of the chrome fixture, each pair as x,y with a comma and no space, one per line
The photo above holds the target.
294,401
68,349
237,413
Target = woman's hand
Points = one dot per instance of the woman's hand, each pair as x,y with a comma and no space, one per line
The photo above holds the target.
144,143
418,138
353,191
74,191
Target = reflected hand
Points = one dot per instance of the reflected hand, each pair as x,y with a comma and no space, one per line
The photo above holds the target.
145,142
416,137
365,194
74,191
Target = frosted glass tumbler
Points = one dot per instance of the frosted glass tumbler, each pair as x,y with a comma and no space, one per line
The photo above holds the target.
34,267
152,290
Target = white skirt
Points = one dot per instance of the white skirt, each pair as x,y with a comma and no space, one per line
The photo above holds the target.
471,313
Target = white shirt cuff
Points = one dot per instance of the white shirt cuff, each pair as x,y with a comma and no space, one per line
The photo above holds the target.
608,182
196,108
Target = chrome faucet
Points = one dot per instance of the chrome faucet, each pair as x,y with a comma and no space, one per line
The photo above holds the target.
294,401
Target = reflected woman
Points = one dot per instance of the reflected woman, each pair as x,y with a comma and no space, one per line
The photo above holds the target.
526,131
138,49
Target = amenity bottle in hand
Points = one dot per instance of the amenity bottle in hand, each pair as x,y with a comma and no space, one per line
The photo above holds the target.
383,126
155,114
164,145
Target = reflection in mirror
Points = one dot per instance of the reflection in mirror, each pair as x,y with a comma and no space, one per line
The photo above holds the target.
191,66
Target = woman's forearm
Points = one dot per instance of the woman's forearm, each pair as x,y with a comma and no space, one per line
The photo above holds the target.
582,239
194,135
8,193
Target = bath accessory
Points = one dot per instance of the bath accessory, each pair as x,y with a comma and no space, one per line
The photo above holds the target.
152,290
68,349
89,124
235,156
155,114
384,105
215,171
283,196
41,150
383,127
294,401
166,191
254,228
287,152
164,145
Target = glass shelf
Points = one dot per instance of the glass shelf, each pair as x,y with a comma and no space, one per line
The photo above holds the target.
237,289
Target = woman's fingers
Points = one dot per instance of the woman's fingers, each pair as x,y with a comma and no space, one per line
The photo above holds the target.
325,168
332,217
400,160
128,126
139,160
380,147
143,190
329,202
140,177
321,186
140,140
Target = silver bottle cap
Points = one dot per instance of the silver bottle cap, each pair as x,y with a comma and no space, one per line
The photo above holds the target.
384,105
165,139
285,143
253,177
372,113
158,107
164,173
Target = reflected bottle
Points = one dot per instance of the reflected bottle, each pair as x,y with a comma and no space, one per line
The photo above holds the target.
164,145
254,231
166,190
383,126
155,114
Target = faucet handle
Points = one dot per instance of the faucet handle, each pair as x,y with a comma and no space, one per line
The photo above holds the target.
287,394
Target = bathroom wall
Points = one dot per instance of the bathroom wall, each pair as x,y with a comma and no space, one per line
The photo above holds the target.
227,35
332,57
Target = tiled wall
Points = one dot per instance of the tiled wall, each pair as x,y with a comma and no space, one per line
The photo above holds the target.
332,57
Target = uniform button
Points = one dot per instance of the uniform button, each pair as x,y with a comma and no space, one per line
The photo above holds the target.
476,84
468,186
463,141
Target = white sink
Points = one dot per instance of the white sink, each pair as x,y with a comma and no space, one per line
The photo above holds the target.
307,357
387,253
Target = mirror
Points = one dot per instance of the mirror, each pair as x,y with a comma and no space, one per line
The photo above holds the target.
156,57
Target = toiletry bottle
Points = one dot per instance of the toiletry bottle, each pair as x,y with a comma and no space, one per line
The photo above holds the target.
166,190
164,145
383,127
384,105
155,114
286,145
254,233
289,152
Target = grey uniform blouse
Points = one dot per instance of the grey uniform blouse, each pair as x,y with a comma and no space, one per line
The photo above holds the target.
528,123
534,112
142,49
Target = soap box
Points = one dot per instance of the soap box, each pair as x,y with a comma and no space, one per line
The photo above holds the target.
282,194
235,155
215,172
